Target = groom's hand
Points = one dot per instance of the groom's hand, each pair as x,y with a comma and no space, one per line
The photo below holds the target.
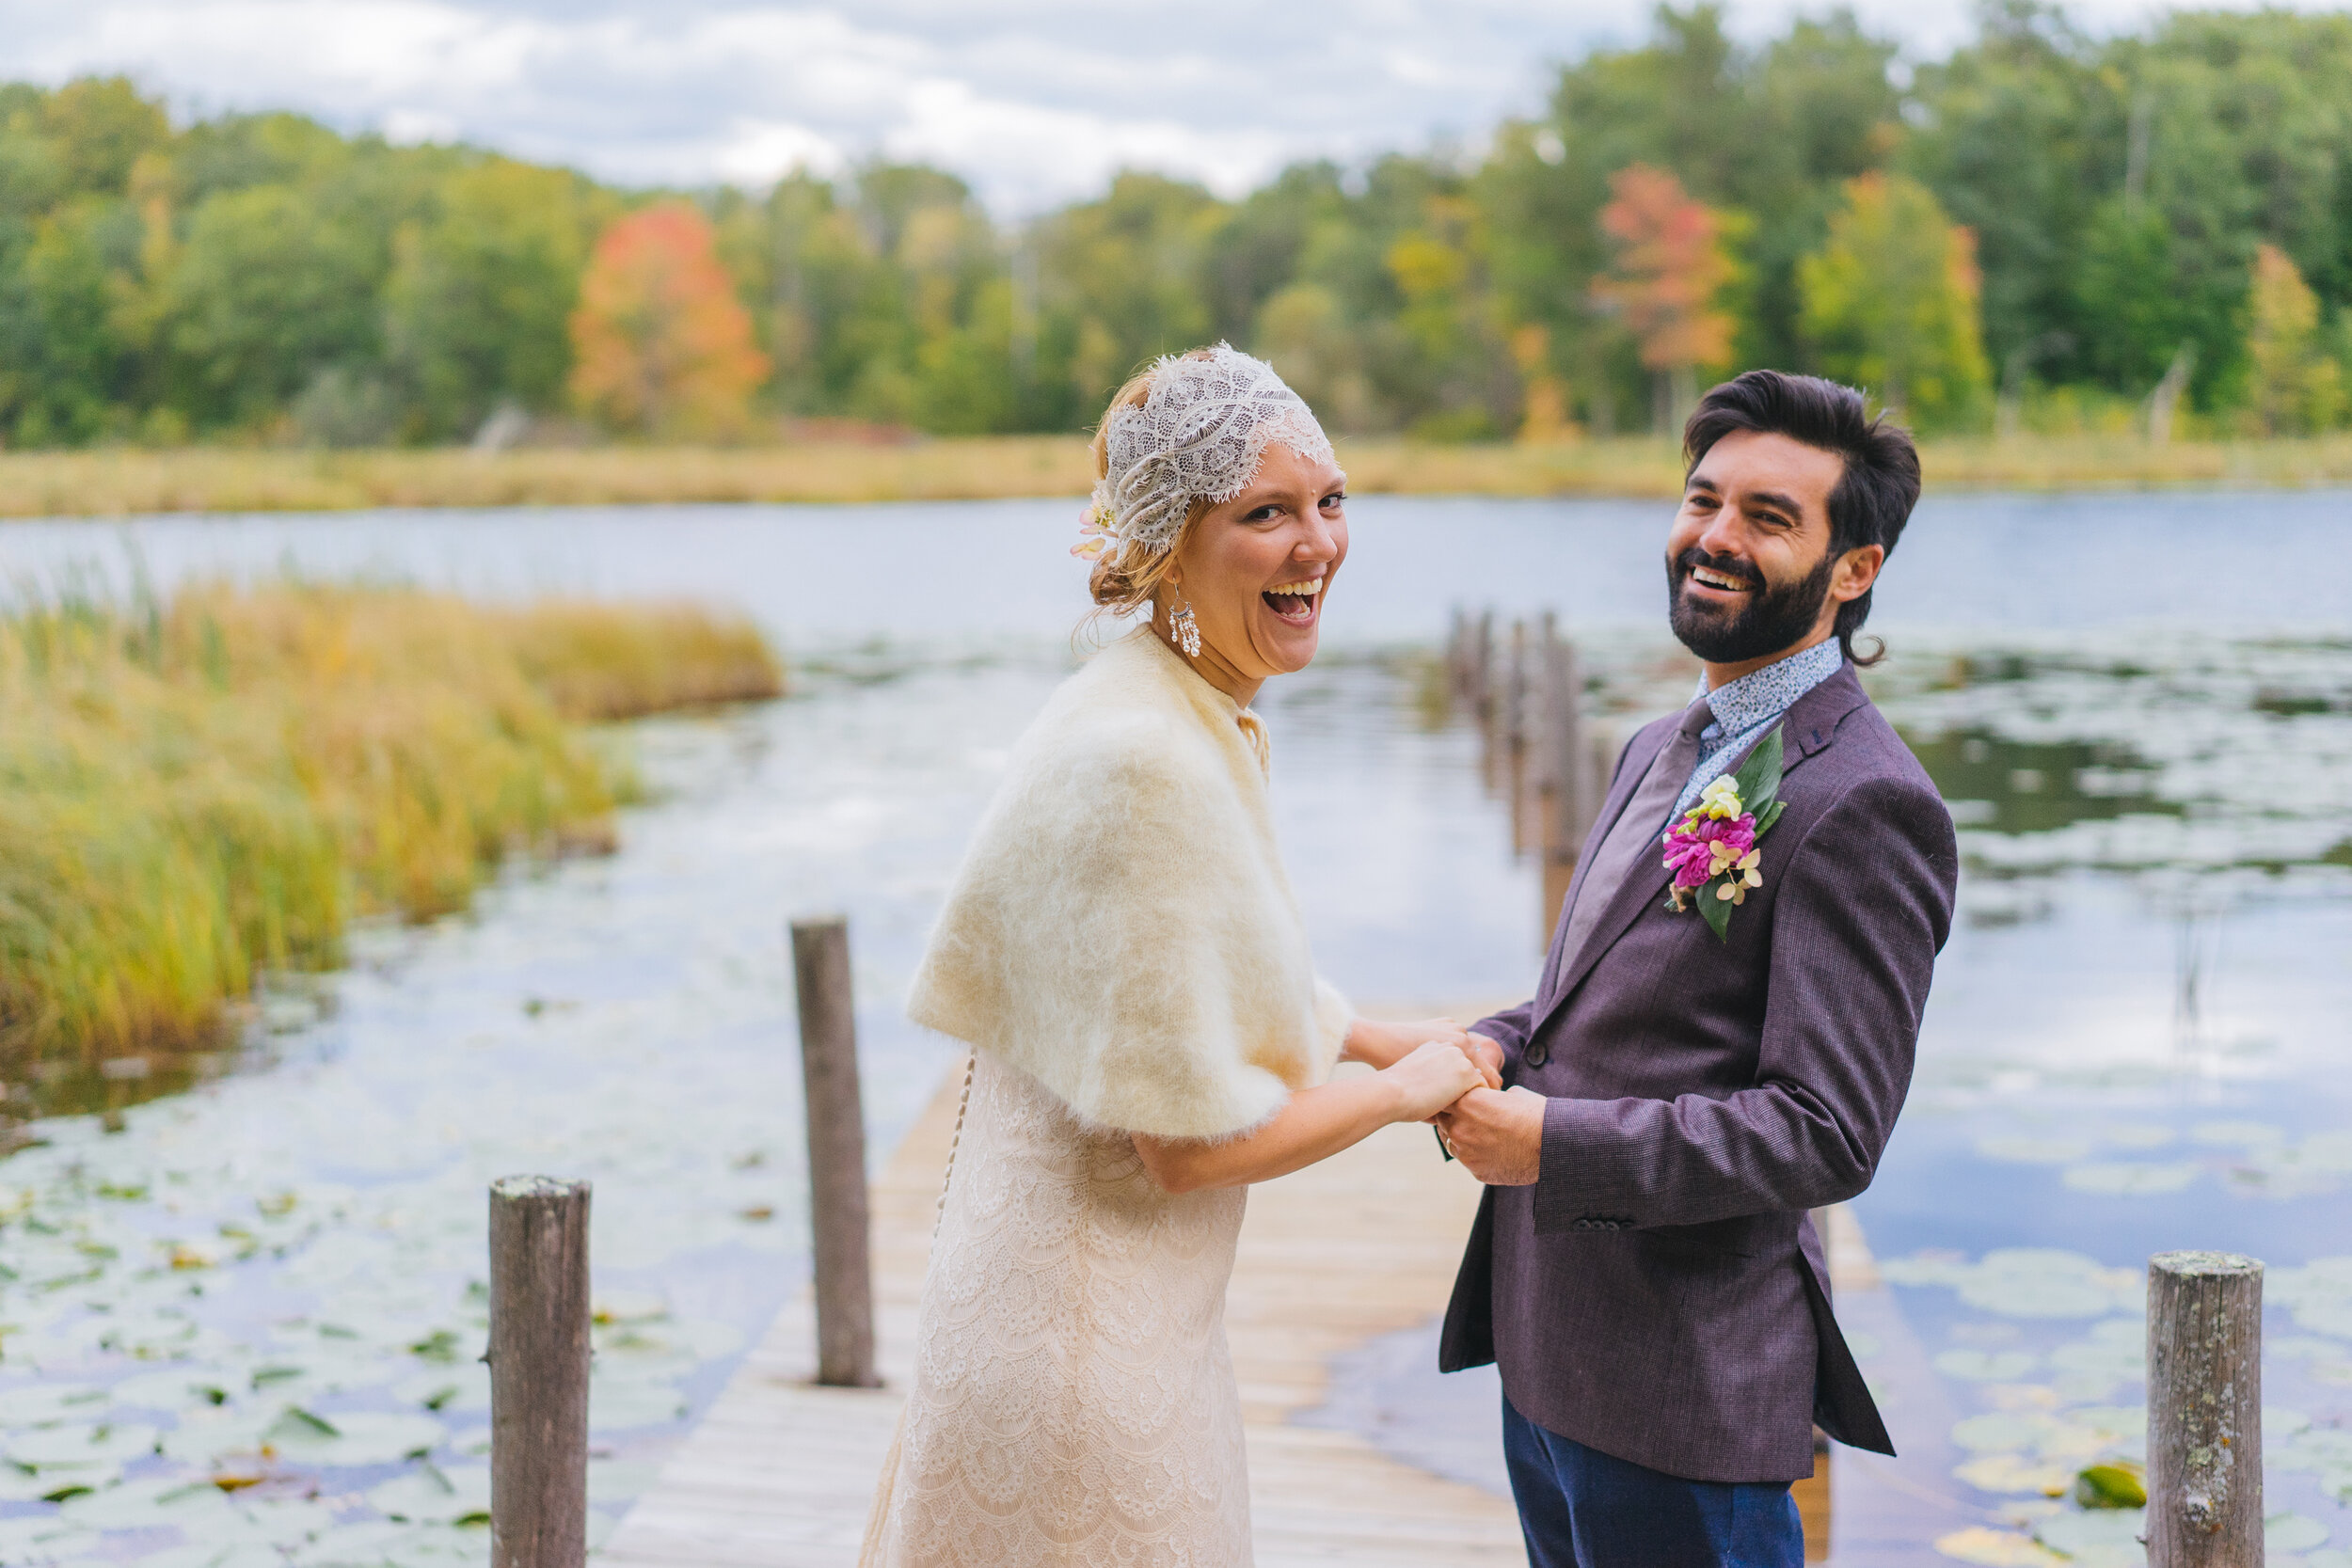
1498,1136
1487,1054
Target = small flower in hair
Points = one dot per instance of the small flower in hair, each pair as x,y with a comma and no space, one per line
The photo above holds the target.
1094,531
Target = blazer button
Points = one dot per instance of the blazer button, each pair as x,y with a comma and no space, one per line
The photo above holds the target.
1537,1053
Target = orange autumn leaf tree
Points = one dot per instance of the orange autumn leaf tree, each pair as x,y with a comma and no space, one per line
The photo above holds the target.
660,343
1669,269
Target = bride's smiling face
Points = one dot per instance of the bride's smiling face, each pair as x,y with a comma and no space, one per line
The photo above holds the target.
1257,569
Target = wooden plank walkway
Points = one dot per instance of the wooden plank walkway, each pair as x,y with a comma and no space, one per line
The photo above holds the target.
778,1474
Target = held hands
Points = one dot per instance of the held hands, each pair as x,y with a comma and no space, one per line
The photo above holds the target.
1432,1076
1384,1045
1499,1137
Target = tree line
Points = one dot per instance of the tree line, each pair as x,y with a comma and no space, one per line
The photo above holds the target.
2043,229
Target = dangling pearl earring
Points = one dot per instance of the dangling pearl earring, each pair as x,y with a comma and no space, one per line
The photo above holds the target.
1187,630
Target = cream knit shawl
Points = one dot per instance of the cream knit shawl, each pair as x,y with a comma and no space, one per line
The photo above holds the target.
1121,930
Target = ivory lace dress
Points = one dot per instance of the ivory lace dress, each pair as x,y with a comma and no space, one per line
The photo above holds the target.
1074,1401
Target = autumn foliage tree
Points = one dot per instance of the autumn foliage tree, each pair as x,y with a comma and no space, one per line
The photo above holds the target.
1890,302
1669,272
660,343
2295,387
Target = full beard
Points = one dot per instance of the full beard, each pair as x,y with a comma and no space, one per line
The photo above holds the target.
1772,619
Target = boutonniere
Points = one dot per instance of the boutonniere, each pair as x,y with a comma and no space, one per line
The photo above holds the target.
1713,851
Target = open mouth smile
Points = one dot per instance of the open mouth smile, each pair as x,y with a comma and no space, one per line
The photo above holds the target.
1723,583
1295,603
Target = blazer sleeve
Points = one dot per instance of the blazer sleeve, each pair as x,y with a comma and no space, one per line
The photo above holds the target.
1508,1029
1856,926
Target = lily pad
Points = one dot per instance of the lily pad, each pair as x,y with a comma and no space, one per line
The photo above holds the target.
2024,1150
1986,1366
2111,1485
464,1387
2010,1472
2040,1282
1997,1549
352,1438
2292,1533
430,1495
1998,1430
214,1555
2105,1538
2130,1178
43,1538
616,1404
2237,1135
96,1444
192,1503
176,1388
47,1404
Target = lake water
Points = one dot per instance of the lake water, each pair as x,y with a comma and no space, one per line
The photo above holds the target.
2140,707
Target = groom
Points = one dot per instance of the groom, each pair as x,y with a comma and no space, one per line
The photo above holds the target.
1643,1267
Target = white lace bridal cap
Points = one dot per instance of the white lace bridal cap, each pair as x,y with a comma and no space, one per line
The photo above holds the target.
1200,432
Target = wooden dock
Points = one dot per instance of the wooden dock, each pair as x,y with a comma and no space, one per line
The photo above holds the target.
779,1473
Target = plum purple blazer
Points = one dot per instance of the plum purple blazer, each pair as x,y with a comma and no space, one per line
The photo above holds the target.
1659,1293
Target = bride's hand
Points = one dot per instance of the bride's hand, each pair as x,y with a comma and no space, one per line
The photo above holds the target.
1384,1045
1430,1077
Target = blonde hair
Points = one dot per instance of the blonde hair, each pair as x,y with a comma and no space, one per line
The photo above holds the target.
1123,580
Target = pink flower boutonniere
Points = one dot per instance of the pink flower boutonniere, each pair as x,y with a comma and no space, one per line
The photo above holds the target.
1713,851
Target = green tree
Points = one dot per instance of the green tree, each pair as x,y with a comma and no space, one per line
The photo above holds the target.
1890,302
268,293
481,293
2015,139
101,127
1121,278
58,352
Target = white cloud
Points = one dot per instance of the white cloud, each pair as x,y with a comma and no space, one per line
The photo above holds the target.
1035,101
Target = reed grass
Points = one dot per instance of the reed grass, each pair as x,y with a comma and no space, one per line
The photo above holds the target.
195,792
205,478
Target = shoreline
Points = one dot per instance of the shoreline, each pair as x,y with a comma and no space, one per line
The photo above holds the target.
126,481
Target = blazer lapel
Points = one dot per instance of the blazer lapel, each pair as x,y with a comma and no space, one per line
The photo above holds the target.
1808,727
1636,763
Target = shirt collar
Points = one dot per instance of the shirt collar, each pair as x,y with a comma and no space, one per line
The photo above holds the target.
1766,693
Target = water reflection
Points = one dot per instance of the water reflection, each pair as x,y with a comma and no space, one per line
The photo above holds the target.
2027,786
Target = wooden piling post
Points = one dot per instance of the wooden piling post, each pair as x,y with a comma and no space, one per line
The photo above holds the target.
539,1350
1517,707
838,1213
1482,661
1566,768
2204,1411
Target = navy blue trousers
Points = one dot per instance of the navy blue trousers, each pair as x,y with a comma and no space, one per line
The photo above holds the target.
1581,1508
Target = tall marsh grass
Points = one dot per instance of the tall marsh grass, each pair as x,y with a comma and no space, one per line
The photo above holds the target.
195,792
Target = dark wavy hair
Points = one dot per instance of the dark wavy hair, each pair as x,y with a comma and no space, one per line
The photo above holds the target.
1874,496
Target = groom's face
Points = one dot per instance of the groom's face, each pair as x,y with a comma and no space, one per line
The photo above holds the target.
1748,566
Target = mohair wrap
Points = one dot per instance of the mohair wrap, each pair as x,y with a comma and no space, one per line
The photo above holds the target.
1122,928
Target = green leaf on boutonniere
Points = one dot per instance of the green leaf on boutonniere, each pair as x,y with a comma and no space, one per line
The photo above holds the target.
1758,778
1716,911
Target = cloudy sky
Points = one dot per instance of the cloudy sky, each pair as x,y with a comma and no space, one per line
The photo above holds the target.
1035,101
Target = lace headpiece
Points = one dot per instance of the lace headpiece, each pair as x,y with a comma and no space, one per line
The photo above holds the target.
1199,432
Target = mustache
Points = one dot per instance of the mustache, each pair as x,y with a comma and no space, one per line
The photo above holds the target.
1730,566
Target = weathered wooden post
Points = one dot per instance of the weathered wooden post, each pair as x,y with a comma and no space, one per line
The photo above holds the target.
1517,708
1458,657
539,1317
1481,664
836,1154
2204,1411
1567,769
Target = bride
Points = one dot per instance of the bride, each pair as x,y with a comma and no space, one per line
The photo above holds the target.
1123,952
